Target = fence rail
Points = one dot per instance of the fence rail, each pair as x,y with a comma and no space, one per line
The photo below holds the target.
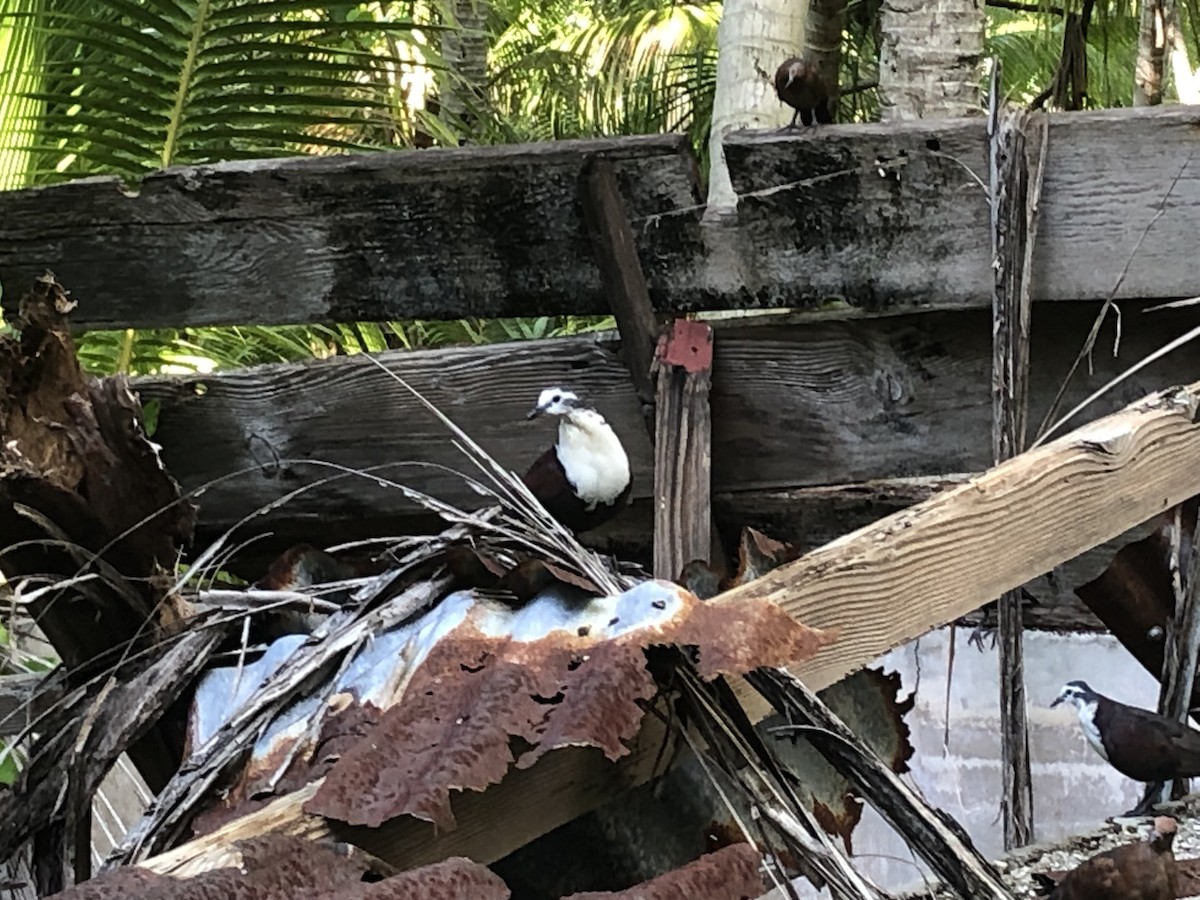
876,218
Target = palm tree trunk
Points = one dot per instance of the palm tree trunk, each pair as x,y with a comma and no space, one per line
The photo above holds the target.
826,21
465,53
1160,34
929,59
754,37
1152,39
1187,79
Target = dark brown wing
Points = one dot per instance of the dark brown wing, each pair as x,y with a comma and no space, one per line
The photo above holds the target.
547,480
1146,746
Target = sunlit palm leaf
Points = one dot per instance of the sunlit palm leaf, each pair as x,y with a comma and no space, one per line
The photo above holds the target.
127,86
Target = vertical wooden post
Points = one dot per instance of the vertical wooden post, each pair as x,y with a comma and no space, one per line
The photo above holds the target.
672,382
1181,652
1014,197
682,448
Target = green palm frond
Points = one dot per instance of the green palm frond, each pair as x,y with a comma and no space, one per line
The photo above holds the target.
128,86
22,58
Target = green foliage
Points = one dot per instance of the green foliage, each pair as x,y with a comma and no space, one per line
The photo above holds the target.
128,86
176,351
1029,46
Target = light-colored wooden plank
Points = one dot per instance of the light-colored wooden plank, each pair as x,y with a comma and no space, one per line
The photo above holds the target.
918,234
925,566
880,586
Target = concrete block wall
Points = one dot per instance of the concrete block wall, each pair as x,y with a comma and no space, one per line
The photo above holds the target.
1073,788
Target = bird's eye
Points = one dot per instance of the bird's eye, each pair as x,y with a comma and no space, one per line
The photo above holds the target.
556,398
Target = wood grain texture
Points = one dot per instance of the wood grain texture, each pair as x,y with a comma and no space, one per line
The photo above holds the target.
615,248
1014,157
926,566
498,231
24,697
492,231
918,234
823,403
683,449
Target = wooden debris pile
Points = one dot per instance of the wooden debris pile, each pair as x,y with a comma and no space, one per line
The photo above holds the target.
364,695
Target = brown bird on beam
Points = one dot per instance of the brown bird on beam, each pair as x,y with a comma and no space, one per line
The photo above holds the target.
1139,744
583,480
1141,871
799,84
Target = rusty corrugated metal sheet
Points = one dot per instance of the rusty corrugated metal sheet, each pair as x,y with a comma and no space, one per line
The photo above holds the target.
731,873
430,707
279,867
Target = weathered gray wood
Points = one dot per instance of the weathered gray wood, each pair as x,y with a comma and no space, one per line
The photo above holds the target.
481,231
621,273
1182,644
498,231
24,697
1015,169
918,234
683,449
818,404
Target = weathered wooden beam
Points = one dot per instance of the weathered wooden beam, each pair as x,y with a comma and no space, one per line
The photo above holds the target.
621,273
683,449
1015,170
914,194
813,404
448,233
1182,640
894,580
496,231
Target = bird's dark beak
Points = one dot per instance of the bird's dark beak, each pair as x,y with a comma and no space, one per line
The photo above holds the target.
535,412
1057,700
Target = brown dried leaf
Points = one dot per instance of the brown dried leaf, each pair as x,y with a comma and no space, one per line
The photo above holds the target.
75,452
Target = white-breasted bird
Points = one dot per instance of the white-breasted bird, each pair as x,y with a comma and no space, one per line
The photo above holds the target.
584,479
1138,743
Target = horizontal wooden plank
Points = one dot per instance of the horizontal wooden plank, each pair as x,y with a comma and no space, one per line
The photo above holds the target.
481,231
915,232
823,403
498,231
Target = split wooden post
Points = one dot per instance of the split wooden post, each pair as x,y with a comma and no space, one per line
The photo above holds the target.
683,448
672,381
1015,188
1182,646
